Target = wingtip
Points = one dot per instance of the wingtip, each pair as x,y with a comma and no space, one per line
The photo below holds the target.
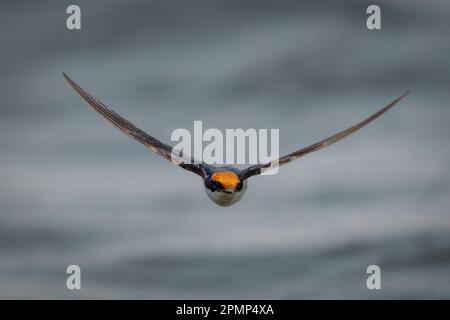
66,76
401,97
68,79
405,94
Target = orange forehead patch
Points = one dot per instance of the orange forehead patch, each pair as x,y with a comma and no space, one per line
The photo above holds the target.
227,178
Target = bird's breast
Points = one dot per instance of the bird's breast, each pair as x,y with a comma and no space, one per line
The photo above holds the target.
226,199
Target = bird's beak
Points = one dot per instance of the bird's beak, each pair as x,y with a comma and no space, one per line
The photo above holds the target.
229,190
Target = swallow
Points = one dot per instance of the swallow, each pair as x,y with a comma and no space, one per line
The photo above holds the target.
224,185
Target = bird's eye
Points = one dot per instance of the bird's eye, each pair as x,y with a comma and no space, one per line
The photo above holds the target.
210,185
214,185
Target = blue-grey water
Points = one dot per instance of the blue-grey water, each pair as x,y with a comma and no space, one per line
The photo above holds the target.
73,190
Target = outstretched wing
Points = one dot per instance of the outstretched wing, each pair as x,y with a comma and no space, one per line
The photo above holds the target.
256,169
134,132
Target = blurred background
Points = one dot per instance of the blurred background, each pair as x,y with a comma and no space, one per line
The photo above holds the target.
74,190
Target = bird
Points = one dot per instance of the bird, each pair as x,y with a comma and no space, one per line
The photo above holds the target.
224,185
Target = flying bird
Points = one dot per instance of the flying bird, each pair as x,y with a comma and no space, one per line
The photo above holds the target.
225,185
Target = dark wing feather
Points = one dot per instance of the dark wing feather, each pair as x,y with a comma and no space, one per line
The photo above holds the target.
132,131
256,169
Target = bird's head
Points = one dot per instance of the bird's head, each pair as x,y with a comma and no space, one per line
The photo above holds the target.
225,187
